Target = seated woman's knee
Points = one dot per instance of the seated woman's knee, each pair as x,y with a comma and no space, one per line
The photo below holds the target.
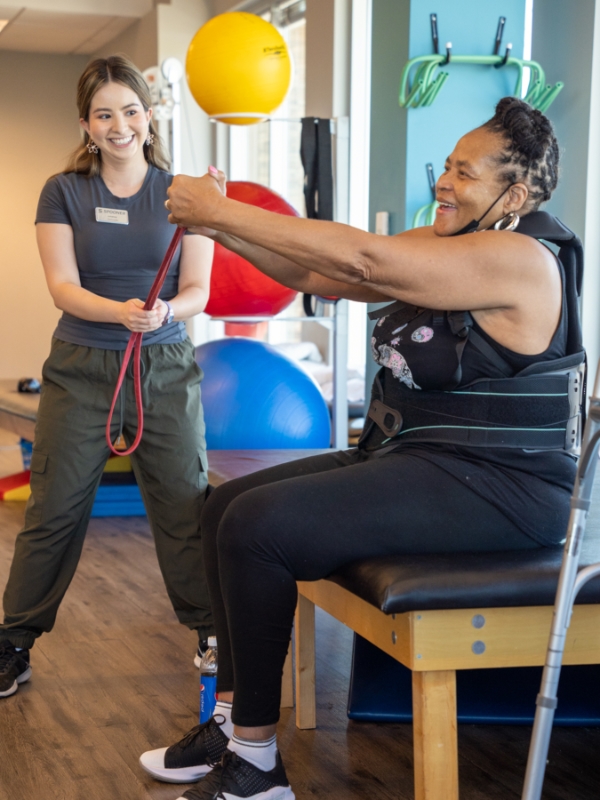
216,503
249,524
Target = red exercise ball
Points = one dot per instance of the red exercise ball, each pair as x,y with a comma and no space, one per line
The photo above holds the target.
237,288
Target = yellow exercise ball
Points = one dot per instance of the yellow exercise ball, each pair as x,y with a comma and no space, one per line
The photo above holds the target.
238,68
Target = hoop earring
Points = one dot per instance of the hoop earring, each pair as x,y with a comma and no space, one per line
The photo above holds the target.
92,147
508,223
150,139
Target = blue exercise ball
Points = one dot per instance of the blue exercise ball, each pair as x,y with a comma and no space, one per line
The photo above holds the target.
254,398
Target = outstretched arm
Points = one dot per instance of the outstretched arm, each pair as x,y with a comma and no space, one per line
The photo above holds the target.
295,276
489,270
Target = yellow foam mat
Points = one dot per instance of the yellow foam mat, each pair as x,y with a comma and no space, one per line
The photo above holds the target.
118,464
22,493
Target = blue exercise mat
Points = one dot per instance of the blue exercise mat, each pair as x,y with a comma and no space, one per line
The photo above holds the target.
118,496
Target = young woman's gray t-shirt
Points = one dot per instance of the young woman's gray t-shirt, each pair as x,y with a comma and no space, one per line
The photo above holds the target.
115,261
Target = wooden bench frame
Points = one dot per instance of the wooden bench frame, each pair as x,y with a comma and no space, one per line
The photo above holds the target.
434,644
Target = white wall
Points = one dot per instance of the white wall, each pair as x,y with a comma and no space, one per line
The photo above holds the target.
39,128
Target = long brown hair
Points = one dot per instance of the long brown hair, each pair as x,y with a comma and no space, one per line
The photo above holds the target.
117,69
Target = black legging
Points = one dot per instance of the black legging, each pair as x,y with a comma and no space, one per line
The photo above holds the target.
306,519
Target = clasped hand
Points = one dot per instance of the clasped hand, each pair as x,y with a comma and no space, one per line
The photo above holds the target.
193,201
132,315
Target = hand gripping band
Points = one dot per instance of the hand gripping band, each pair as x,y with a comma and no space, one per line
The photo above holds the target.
134,346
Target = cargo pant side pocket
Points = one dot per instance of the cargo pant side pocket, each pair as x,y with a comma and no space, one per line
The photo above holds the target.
38,480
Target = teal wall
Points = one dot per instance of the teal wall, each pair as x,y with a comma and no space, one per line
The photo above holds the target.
403,141
469,95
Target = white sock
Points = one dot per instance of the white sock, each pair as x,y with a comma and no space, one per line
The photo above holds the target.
223,709
262,754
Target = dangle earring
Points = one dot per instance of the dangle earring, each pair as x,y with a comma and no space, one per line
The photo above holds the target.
150,139
508,223
92,147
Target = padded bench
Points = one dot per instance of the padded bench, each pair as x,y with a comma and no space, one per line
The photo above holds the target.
437,614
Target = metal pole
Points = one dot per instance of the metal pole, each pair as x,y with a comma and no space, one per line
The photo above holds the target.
341,130
340,375
176,128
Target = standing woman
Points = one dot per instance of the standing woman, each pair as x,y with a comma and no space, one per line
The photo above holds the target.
102,231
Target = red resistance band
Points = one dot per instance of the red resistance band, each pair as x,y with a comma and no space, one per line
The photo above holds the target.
135,346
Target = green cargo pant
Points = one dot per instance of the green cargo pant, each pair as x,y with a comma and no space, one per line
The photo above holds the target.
69,455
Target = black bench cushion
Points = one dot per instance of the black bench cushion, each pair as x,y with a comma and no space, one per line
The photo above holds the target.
396,584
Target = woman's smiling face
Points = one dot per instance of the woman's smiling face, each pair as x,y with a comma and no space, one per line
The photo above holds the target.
117,122
471,182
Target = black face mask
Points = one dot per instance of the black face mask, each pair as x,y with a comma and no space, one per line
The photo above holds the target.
472,226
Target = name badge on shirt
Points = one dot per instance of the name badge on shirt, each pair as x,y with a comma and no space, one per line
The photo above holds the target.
114,215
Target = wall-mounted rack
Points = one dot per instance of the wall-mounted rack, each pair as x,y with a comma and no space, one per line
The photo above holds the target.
421,82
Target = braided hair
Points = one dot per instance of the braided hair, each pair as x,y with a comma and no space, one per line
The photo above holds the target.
531,153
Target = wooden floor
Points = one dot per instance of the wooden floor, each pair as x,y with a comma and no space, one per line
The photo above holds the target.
116,678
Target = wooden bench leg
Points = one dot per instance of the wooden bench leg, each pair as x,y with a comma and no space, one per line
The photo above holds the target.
306,706
287,682
434,732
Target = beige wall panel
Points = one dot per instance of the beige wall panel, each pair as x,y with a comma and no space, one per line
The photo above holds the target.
221,6
328,58
127,8
139,43
319,57
53,32
39,128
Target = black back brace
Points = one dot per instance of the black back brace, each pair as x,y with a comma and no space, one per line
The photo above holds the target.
539,408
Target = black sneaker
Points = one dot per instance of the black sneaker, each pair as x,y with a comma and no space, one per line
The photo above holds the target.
236,777
14,668
191,758
202,648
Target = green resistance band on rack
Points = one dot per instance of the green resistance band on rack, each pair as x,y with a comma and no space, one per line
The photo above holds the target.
426,214
425,85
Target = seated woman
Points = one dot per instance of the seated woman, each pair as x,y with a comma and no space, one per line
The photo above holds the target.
306,519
